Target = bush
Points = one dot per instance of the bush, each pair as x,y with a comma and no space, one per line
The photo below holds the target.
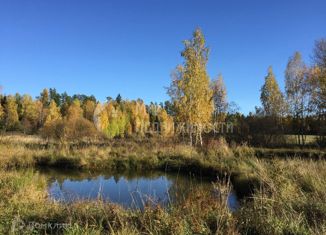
75,129
218,148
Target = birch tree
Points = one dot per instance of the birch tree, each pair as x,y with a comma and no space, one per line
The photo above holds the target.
297,93
11,114
219,98
271,96
189,90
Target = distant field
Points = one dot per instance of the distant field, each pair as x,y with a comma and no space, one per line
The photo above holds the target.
293,139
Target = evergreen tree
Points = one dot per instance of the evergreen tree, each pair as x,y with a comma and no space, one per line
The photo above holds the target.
118,99
54,95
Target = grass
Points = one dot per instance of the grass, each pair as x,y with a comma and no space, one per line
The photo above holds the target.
284,195
293,139
24,199
291,199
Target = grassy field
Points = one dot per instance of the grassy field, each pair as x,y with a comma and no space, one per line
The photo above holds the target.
283,195
293,139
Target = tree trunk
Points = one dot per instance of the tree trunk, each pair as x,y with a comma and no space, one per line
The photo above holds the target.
190,135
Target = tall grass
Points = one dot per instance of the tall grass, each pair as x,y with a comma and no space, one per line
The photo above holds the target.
290,200
283,195
24,199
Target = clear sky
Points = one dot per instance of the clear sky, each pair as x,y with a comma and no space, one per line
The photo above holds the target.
131,47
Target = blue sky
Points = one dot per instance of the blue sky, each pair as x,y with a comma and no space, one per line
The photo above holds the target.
131,47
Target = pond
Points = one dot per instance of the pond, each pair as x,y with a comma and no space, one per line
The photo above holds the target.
130,189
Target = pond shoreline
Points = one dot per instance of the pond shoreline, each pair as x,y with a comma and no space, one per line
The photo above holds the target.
129,188
127,155
272,184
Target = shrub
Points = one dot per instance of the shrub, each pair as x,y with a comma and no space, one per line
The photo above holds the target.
218,148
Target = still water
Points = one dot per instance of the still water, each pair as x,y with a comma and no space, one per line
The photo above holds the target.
130,189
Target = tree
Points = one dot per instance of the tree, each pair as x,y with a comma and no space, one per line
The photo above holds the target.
88,108
318,86
160,121
53,125
166,123
117,120
118,99
297,93
153,110
138,116
30,114
54,95
18,98
2,115
74,110
319,58
66,101
53,114
189,90
271,97
11,114
113,119
44,97
169,108
219,98
319,55
101,118
273,109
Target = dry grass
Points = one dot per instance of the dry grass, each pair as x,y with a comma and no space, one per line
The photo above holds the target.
24,197
287,196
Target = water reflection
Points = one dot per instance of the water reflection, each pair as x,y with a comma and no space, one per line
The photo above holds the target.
130,189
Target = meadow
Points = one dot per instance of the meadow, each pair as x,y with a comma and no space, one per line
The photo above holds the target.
279,194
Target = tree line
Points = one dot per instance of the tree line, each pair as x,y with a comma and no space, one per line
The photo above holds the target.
195,99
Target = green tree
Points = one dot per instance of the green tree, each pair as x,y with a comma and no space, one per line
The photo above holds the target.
169,107
117,120
189,90
54,95
118,99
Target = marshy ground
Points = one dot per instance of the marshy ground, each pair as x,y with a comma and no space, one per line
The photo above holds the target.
283,194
